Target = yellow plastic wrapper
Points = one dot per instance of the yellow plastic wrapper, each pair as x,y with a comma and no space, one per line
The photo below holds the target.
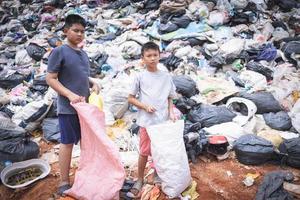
97,100
191,191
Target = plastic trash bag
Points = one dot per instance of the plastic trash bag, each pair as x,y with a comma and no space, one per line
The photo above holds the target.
279,121
209,115
239,4
268,53
10,79
99,158
185,104
15,145
171,62
169,156
185,86
22,58
253,80
257,67
232,131
245,106
272,136
31,114
9,129
272,186
35,51
264,101
253,150
291,149
97,100
51,131
295,116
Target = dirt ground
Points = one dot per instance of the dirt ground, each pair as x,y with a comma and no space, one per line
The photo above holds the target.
216,180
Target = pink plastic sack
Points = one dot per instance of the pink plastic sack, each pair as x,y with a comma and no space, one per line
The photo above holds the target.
100,174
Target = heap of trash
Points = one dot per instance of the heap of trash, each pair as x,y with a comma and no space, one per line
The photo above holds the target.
235,65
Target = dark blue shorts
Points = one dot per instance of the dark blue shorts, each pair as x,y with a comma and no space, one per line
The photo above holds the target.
69,128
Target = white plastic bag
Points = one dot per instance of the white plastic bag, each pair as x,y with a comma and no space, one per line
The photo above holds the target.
169,156
295,116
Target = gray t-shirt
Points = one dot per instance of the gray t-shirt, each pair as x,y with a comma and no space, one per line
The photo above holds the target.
154,89
73,70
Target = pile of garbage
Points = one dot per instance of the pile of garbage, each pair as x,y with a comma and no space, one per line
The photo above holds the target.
235,64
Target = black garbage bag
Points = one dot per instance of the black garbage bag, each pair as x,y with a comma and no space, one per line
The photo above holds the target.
167,28
264,101
185,104
149,5
185,86
35,51
290,49
38,112
239,18
272,186
253,150
118,4
191,127
257,67
8,129
40,84
7,111
280,24
197,146
18,149
53,110
209,115
135,128
182,21
291,152
287,5
194,41
101,59
31,23
51,131
217,61
279,121
235,77
15,145
9,81
25,1
57,3
171,62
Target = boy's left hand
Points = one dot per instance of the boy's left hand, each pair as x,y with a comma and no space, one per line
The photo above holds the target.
95,88
172,116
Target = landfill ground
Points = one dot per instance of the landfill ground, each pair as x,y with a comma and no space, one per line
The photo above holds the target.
216,180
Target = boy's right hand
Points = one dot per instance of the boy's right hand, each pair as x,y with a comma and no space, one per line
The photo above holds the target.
74,98
149,109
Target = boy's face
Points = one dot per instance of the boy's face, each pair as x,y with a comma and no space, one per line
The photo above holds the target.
151,58
75,34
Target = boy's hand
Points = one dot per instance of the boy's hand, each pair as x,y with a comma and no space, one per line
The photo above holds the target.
74,98
172,116
150,109
95,88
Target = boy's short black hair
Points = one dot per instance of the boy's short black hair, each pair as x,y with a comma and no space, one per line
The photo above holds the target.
74,19
149,45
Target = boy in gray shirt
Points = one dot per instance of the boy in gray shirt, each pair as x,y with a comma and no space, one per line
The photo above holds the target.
68,74
156,90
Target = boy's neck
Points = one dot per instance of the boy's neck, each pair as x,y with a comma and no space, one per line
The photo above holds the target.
73,46
152,69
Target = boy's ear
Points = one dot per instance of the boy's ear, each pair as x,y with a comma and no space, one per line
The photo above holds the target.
65,30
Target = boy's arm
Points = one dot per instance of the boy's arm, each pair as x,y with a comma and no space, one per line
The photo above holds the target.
171,110
140,105
95,87
52,81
